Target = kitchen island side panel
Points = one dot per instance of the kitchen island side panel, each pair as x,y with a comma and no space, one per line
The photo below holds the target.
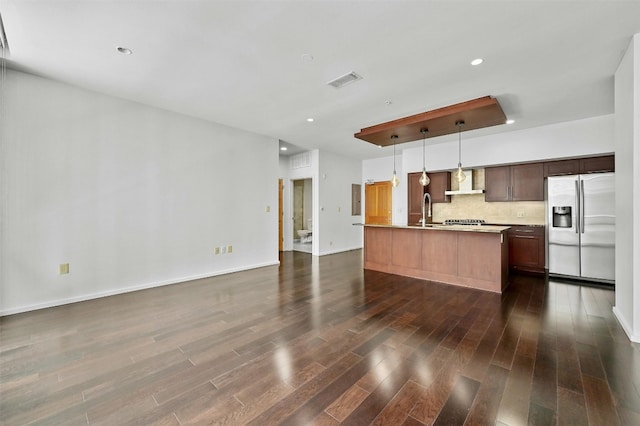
440,253
406,246
379,242
470,259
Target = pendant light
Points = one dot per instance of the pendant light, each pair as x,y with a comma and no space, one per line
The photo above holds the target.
459,174
394,180
424,179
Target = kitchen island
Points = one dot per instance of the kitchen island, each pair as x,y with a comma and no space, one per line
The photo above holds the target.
469,256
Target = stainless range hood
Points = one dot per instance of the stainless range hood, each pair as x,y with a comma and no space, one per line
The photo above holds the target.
466,186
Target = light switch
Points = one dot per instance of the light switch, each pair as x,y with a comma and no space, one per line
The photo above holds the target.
64,268
268,209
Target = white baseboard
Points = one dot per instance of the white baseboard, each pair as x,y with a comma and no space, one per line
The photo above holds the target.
84,297
625,326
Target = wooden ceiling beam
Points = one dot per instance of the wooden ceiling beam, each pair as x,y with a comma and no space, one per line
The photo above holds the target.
476,114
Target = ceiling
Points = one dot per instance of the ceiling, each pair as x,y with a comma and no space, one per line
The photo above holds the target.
263,66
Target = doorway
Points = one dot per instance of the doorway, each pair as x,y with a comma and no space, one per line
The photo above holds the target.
303,215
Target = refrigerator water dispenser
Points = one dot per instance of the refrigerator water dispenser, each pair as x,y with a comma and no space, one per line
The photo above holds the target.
562,216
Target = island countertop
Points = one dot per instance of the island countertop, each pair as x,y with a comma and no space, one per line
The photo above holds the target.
465,255
494,229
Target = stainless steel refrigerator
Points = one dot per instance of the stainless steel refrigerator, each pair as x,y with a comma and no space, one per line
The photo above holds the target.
581,226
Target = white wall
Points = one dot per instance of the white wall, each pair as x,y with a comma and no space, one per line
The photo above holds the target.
307,204
591,136
335,228
130,196
627,141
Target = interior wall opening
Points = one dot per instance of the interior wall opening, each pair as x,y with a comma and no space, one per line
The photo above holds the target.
302,215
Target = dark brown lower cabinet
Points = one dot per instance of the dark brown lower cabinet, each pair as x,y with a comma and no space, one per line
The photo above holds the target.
526,248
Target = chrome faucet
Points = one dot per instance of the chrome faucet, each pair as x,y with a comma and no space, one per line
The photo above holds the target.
424,201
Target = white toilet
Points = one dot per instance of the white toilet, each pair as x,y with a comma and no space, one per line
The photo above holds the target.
305,234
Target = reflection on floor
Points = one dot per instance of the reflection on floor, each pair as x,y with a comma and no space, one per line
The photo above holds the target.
304,247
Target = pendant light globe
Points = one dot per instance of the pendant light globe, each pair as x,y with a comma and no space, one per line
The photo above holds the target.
394,179
424,179
459,175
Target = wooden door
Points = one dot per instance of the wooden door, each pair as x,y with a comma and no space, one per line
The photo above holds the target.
377,200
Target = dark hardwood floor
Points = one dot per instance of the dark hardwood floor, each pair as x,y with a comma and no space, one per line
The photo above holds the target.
320,341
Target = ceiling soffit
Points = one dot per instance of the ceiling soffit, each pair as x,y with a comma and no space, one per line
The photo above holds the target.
476,114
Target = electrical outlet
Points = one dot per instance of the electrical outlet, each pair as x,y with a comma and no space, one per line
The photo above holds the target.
216,250
63,268
229,249
223,249
521,213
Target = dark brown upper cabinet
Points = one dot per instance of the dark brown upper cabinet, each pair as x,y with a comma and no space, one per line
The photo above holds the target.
440,182
600,164
520,182
416,192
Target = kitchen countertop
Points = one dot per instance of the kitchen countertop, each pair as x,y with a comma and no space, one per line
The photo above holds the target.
494,229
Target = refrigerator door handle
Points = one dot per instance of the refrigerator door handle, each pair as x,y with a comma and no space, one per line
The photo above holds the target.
581,206
578,215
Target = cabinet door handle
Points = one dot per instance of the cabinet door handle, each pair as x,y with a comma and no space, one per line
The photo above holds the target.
531,237
524,230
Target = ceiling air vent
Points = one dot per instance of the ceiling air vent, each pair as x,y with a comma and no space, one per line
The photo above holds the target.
343,80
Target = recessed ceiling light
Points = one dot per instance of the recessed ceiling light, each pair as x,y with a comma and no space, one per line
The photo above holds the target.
283,148
388,102
477,61
307,57
510,121
310,120
125,51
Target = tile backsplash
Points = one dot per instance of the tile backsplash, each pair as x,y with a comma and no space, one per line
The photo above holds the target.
473,206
